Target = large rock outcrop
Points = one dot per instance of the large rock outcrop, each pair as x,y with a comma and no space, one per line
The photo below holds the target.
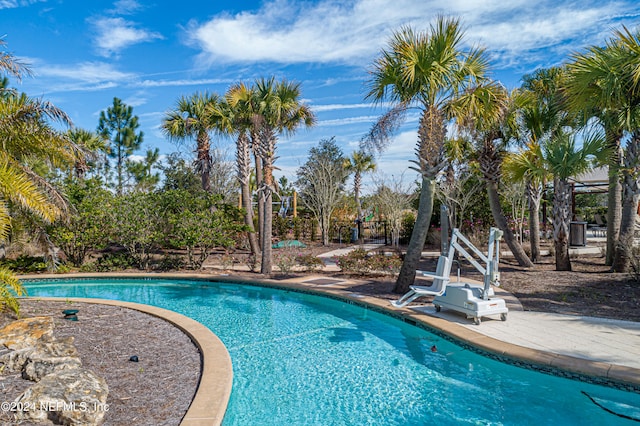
66,393
67,397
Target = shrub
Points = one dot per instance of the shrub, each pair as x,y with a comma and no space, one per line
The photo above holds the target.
309,262
360,262
285,260
354,262
115,262
25,264
386,264
171,262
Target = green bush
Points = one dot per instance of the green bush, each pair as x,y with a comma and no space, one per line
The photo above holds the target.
360,262
170,262
25,264
114,262
309,262
354,262
285,260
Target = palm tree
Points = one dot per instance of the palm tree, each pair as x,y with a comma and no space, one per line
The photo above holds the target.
281,111
485,113
564,160
540,114
191,118
528,165
238,119
625,55
426,69
27,134
90,144
359,163
598,88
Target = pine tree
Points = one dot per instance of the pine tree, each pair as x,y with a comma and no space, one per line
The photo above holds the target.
119,125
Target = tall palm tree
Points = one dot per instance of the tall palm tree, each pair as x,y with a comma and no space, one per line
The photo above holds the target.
564,160
238,119
625,55
280,112
540,114
191,119
486,113
425,69
528,165
598,87
359,163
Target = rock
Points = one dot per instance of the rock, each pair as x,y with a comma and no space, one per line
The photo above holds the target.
43,358
68,397
15,361
26,332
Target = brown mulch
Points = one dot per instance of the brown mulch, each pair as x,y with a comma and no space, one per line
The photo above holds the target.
589,290
156,390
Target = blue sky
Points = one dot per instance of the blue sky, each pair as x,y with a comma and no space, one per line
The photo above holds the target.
148,53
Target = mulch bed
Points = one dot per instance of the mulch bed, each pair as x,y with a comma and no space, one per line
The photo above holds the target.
156,390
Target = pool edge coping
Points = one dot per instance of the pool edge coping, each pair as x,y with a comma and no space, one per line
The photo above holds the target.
538,360
209,403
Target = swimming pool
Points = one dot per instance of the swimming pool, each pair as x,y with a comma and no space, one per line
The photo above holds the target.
302,359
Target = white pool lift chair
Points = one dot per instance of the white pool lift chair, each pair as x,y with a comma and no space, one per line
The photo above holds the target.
437,288
473,300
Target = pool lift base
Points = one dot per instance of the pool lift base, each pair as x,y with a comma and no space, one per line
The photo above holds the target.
473,300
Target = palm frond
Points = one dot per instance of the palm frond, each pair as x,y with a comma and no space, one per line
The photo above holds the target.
10,288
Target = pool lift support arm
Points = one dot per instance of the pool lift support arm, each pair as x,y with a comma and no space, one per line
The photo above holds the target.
472,299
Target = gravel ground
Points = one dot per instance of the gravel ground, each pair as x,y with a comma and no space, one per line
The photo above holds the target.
154,391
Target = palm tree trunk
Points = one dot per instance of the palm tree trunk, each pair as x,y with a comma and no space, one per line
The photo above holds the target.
501,221
267,150
407,274
614,199
561,218
243,165
624,247
266,266
259,177
203,163
248,218
534,194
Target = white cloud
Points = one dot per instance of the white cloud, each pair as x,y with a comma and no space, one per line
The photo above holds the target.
137,99
12,4
183,82
91,72
347,121
338,107
286,31
115,34
125,7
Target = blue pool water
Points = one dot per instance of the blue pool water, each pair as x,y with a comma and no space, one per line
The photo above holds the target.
300,359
